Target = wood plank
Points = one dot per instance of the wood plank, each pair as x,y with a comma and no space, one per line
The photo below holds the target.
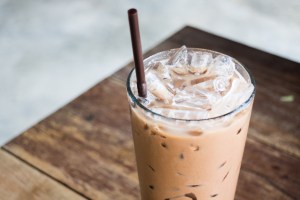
86,146
21,182
268,173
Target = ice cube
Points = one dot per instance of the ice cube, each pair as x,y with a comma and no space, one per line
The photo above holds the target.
223,66
230,100
202,79
207,97
179,57
171,88
234,88
199,62
238,75
158,89
182,96
162,71
205,85
179,82
180,70
199,103
192,98
221,84
213,97
246,93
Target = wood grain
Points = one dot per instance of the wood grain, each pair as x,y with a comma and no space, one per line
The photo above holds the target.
87,144
268,172
21,182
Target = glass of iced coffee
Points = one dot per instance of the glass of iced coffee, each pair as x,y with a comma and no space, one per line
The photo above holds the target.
189,132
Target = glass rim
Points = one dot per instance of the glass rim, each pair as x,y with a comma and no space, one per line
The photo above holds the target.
235,110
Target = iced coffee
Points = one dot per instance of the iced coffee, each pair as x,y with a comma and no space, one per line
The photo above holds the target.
190,132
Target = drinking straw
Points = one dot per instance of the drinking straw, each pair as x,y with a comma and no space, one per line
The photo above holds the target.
137,52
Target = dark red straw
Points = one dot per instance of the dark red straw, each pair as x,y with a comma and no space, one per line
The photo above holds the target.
137,52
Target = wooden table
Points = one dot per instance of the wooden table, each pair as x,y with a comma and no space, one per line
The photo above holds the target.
85,149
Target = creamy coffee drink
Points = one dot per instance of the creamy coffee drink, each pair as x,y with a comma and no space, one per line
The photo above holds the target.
190,131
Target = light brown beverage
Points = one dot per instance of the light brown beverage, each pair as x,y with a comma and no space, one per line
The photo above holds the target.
189,133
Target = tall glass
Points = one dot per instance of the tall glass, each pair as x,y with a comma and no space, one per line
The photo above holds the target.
189,159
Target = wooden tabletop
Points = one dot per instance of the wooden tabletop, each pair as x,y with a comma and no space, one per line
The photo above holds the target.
85,149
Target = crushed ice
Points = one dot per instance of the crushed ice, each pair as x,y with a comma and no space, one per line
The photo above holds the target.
195,85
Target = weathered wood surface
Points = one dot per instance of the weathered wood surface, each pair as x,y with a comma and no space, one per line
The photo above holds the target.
19,181
87,144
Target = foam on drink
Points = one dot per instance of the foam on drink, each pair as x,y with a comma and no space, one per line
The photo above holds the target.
191,84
